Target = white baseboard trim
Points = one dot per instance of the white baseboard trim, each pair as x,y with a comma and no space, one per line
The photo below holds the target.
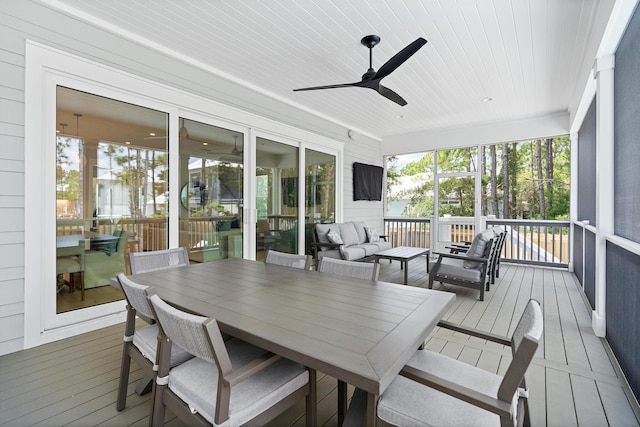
598,324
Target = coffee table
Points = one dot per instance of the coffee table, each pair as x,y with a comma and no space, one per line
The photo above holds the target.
404,254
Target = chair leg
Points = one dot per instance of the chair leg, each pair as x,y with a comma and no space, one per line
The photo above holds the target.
124,378
81,285
157,413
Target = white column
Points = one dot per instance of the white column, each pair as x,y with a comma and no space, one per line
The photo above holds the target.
573,196
604,74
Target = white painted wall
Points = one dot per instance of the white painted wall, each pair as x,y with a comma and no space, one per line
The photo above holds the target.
27,20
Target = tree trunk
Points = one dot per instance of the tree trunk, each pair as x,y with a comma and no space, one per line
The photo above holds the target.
541,201
484,199
549,173
506,213
494,179
513,177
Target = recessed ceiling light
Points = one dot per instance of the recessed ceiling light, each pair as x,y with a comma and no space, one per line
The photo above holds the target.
127,142
487,99
205,143
152,134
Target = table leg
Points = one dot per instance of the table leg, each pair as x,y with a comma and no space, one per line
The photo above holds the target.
342,401
406,272
427,258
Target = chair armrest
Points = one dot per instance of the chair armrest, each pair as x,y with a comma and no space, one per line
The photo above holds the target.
456,249
251,368
489,403
462,257
475,332
327,245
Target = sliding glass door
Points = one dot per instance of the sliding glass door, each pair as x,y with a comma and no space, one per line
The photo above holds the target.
277,196
111,193
211,191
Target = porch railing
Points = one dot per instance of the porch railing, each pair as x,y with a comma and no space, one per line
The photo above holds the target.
528,241
413,232
535,242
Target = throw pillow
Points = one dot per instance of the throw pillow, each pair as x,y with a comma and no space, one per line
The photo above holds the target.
372,235
334,237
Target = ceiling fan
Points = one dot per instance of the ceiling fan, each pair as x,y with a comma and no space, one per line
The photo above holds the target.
233,152
371,79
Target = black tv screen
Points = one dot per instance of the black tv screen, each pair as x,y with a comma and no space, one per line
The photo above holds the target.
367,182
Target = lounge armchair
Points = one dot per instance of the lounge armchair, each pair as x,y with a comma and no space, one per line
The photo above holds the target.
469,269
500,235
434,389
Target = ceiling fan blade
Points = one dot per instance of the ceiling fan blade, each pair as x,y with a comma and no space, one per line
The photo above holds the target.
329,86
399,58
389,94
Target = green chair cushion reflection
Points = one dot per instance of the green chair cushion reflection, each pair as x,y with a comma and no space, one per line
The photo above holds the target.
101,267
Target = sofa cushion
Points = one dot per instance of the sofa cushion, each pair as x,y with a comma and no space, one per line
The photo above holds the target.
353,253
360,229
334,237
478,247
369,248
349,234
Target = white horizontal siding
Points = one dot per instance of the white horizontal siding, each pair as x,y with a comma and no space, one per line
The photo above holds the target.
362,150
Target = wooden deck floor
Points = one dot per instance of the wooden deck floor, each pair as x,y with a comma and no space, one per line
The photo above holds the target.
572,380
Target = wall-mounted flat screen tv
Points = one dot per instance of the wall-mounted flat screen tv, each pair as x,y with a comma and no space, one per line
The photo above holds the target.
367,182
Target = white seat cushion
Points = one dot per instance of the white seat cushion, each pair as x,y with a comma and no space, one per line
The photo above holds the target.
146,340
408,403
196,383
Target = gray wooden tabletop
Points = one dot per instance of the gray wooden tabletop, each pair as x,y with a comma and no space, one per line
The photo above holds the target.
358,331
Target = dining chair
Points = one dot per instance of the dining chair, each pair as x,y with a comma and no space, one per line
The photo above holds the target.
140,344
227,382
434,389
70,260
143,262
289,260
360,270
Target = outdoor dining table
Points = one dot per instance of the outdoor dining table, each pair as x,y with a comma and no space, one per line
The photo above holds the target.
358,331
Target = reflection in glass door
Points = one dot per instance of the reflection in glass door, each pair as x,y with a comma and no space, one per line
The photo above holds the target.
211,195
276,197
320,190
111,193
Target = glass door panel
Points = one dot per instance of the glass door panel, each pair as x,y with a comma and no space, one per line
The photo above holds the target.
211,195
456,211
111,193
320,190
276,197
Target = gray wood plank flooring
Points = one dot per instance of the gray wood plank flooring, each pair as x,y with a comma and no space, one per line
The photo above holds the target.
572,380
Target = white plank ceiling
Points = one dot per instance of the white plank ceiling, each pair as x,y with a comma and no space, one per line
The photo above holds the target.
532,57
